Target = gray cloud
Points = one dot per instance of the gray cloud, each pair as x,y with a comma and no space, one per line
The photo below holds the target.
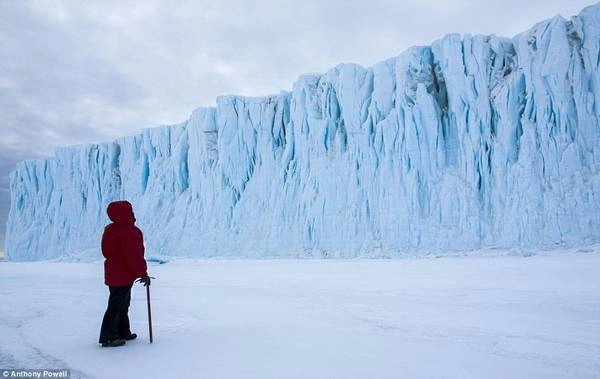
84,71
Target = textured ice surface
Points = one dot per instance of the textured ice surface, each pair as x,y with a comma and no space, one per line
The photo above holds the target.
472,142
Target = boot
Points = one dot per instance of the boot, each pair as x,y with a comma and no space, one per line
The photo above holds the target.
114,343
130,337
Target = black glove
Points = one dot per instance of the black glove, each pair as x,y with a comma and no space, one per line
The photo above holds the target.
145,280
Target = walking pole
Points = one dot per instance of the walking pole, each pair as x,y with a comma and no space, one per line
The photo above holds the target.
148,301
149,311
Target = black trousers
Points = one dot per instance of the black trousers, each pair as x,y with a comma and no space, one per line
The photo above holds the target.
115,323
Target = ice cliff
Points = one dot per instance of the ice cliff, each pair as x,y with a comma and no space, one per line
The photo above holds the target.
472,142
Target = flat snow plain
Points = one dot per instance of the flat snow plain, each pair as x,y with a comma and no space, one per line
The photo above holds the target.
462,317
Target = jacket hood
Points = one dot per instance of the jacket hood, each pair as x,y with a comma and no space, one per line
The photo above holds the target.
120,212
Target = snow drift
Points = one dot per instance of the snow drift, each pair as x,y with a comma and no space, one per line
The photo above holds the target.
472,142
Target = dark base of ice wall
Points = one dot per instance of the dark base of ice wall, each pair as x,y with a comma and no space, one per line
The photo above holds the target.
470,143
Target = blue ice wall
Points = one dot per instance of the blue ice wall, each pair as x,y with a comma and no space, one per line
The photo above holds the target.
472,142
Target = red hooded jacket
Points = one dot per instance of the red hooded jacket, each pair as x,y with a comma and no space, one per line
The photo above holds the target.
122,247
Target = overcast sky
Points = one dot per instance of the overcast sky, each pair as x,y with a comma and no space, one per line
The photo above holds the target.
75,72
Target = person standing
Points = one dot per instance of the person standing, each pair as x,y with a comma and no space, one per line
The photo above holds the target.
123,250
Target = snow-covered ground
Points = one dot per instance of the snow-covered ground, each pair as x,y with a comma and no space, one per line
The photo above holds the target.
469,317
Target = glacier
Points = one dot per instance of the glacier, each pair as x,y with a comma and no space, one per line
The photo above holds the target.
473,142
